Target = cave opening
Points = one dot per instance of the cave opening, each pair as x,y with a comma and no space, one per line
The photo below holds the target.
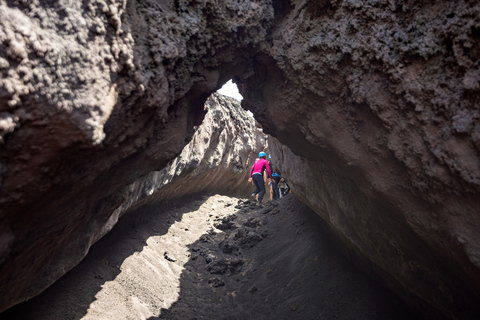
230,89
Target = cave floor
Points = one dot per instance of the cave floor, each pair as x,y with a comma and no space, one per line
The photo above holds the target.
216,257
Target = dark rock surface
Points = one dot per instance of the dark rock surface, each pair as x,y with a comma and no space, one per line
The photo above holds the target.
377,100
381,102
93,96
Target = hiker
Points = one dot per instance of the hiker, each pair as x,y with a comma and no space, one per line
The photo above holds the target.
273,183
250,179
271,170
256,174
283,188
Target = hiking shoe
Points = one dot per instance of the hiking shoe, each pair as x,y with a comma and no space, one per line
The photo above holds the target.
259,204
254,194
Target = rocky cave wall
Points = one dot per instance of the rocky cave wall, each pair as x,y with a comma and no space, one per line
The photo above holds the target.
93,96
380,101
377,101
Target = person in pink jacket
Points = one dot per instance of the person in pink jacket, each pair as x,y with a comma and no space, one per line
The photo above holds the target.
256,175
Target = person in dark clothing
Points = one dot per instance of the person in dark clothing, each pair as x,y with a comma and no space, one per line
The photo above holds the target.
283,187
272,192
256,174
274,183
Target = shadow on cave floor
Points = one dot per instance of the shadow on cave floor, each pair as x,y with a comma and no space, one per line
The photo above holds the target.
71,296
276,263
217,258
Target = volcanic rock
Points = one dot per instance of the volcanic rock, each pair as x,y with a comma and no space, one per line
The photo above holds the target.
378,106
376,103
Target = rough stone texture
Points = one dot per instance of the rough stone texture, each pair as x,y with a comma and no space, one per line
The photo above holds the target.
217,159
94,95
380,99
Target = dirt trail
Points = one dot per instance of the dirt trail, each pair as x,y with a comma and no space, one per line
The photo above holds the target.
216,258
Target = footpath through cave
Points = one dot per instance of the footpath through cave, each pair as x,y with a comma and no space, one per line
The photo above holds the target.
216,257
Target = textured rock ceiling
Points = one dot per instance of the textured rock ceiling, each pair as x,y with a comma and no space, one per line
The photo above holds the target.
377,101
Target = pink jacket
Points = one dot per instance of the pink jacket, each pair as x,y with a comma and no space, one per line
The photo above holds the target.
259,166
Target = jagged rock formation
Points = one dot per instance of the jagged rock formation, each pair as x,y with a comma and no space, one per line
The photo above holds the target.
378,98
217,159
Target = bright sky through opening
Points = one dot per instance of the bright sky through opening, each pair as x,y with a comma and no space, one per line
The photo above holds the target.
230,89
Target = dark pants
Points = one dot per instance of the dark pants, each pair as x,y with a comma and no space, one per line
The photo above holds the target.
259,186
276,194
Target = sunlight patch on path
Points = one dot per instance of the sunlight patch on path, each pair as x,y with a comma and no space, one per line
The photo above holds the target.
150,280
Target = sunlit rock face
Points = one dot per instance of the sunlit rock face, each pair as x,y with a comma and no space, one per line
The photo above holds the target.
377,102
380,99
217,159
93,96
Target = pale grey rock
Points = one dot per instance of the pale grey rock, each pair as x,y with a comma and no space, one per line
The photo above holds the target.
216,160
